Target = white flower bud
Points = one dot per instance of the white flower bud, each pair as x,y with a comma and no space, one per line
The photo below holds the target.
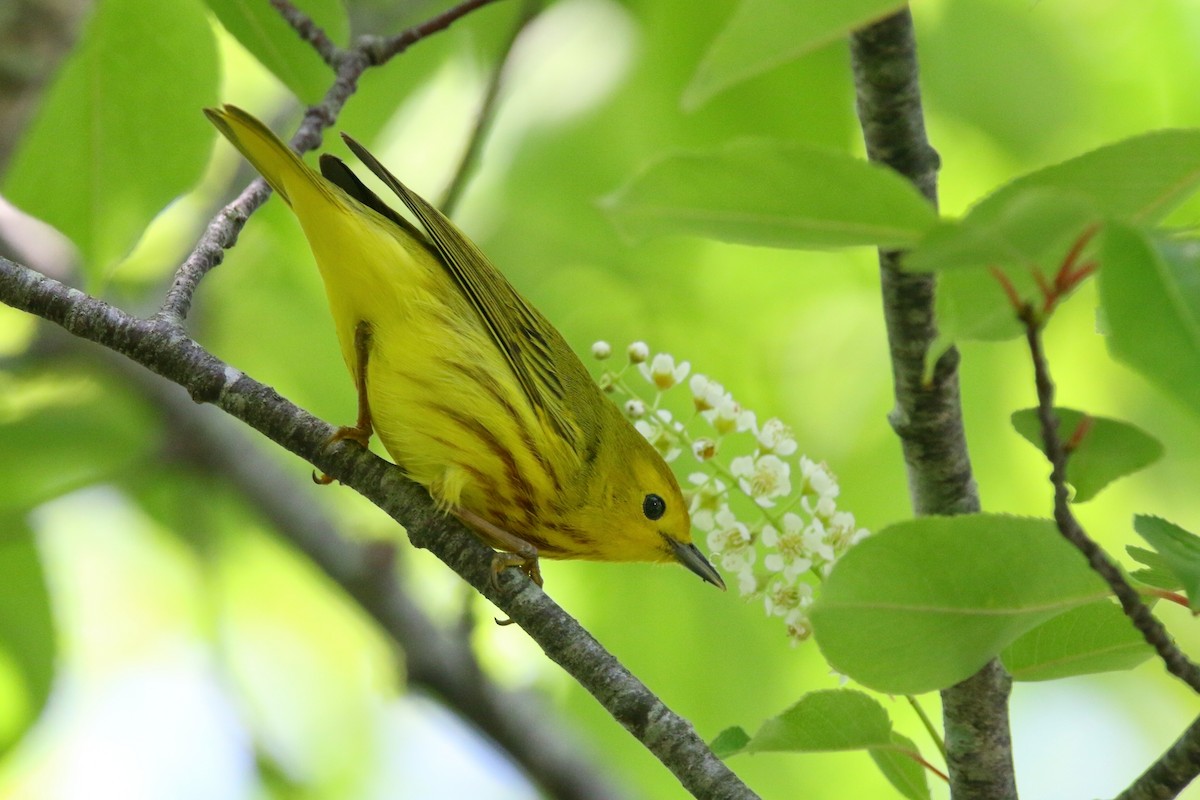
663,372
601,350
638,352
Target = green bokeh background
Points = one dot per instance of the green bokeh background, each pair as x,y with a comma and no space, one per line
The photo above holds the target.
157,571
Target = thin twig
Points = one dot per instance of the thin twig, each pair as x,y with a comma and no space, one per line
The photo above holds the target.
487,111
1138,612
309,31
933,732
382,50
165,349
920,759
219,235
223,230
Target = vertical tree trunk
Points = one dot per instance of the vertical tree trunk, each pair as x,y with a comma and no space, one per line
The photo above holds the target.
928,417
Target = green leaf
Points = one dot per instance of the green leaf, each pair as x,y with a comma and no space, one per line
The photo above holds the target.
1139,179
730,741
901,769
1027,234
825,721
1094,638
120,133
1110,449
971,305
1032,227
1157,573
27,636
773,194
764,34
1036,218
925,603
60,435
1180,550
1151,303
262,31
839,720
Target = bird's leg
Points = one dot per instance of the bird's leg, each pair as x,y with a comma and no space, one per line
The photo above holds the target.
517,552
363,428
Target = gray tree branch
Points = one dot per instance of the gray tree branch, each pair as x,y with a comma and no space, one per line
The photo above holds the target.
436,661
364,571
1171,773
928,416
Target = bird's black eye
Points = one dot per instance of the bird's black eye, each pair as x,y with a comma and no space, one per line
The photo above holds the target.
654,506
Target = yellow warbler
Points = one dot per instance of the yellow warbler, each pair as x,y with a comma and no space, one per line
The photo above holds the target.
470,389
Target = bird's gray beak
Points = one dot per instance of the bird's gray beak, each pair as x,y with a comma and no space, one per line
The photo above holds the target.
691,557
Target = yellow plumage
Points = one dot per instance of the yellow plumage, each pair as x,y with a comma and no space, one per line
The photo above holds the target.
469,388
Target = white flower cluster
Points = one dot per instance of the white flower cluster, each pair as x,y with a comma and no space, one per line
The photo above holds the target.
781,532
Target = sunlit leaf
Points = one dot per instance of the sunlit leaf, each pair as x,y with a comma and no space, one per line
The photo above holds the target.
926,603
120,134
1110,448
763,34
1180,550
1151,300
775,194
1094,638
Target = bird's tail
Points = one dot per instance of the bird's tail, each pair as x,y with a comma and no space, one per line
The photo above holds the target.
273,159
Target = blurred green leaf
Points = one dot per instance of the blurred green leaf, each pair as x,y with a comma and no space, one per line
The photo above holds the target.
901,769
730,742
969,68
1033,221
1110,448
26,624
763,34
1180,550
1140,179
262,31
61,434
925,603
1151,300
1032,228
1029,234
1094,638
1157,572
824,721
971,305
120,133
774,194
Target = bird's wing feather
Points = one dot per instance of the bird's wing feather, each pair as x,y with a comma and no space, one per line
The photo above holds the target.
336,172
526,339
